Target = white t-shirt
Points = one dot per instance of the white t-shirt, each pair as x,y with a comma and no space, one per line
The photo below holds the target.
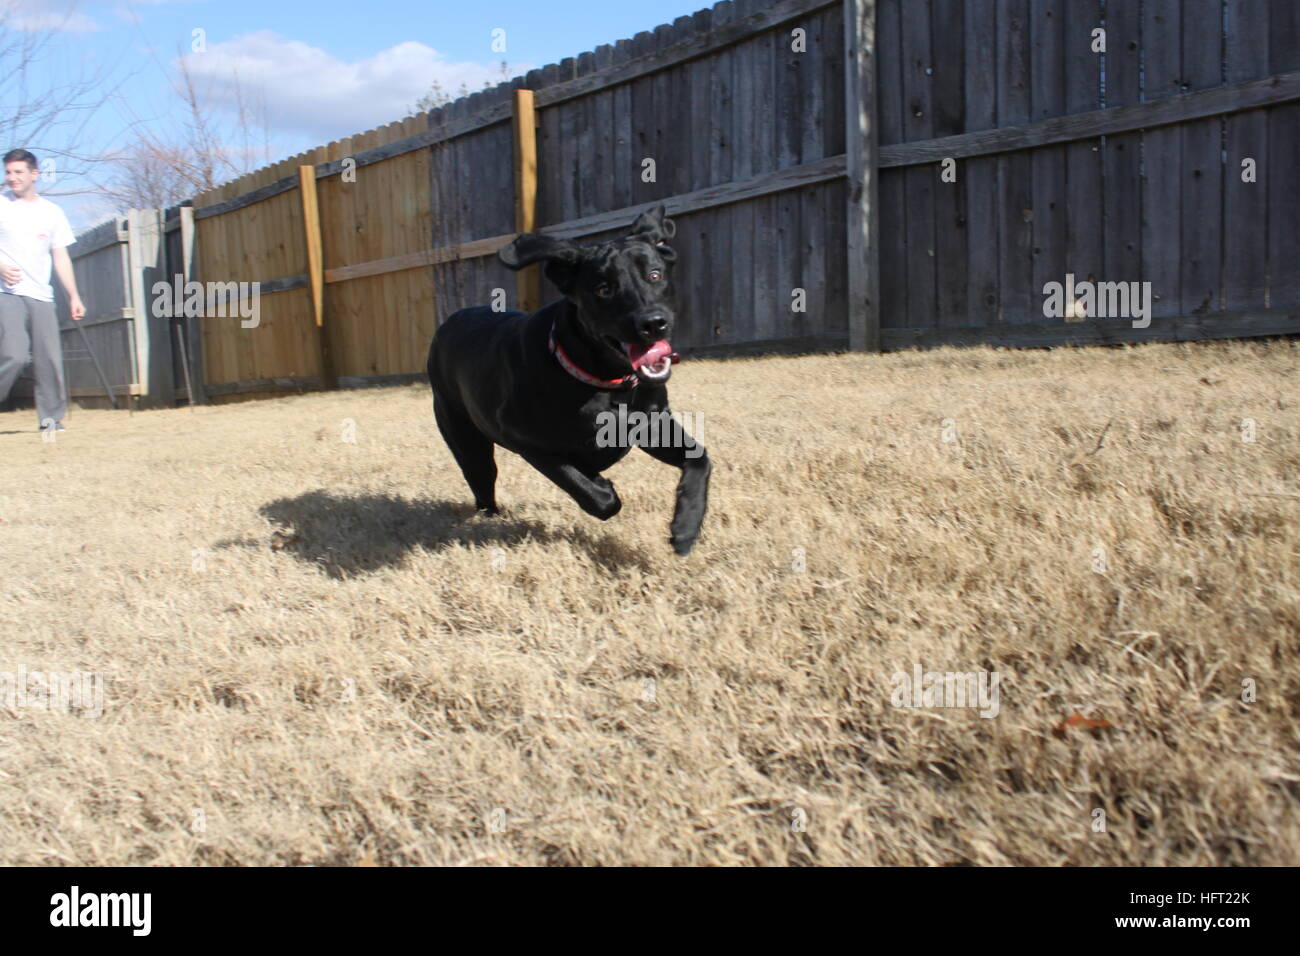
28,231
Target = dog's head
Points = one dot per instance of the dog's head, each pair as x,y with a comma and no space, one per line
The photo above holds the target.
622,288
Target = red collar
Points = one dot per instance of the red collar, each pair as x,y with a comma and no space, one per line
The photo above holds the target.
561,356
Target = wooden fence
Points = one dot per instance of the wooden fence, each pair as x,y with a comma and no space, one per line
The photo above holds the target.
800,146
1117,166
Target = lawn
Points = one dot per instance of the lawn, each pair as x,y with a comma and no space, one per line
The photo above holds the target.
312,651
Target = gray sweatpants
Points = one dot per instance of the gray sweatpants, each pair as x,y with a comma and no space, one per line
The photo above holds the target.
29,332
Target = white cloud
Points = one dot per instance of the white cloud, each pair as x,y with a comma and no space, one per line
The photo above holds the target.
306,90
33,16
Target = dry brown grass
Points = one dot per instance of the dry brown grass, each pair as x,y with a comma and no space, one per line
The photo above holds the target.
500,666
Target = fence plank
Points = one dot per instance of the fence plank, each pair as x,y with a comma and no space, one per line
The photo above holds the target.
311,239
831,269
824,214
780,215
1047,99
892,234
716,223
643,123
948,61
1083,190
525,136
1122,200
919,182
424,308
602,121
624,163
192,351
861,223
666,116
241,344
980,174
746,268
811,222
399,293
585,171
1245,205
345,240
1200,280
550,160
1283,148
384,301
1162,152
1017,301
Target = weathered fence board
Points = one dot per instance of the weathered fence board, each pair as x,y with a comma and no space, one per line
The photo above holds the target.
1245,204
980,173
1047,99
1283,153
1162,160
1083,159
1122,184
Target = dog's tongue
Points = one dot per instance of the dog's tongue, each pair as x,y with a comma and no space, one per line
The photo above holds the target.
640,355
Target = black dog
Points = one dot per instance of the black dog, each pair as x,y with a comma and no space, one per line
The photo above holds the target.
554,386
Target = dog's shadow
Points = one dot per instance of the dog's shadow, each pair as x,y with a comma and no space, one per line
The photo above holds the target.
351,535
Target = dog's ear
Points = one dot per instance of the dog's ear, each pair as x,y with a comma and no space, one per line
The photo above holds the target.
534,247
653,227
562,257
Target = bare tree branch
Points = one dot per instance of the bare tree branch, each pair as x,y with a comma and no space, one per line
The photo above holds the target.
49,117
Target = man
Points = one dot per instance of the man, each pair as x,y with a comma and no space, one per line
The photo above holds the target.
34,233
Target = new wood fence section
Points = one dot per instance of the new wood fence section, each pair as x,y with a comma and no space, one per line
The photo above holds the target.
800,146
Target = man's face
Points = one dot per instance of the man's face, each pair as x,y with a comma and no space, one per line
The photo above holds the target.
20,177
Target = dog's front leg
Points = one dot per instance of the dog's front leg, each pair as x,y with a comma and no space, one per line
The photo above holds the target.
684,452
596,495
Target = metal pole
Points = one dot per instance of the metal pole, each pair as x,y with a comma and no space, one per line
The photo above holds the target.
185,361
102,379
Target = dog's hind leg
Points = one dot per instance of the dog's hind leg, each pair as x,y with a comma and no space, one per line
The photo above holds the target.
473,451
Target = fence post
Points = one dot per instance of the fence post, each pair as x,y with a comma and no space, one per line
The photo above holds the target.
316,271
151,327
860,142
528,281
190,322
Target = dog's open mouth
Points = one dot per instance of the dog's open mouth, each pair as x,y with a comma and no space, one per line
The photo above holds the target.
652,363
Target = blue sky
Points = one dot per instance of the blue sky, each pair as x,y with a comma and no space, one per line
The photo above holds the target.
315,71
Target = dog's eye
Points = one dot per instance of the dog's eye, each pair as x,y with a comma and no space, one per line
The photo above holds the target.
655,275
604,290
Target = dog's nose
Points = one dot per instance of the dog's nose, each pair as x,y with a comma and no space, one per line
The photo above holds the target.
654,325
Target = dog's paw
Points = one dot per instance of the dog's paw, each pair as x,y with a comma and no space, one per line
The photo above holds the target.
605,503
682,545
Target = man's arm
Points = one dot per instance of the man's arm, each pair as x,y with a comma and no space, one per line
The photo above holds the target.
63,269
